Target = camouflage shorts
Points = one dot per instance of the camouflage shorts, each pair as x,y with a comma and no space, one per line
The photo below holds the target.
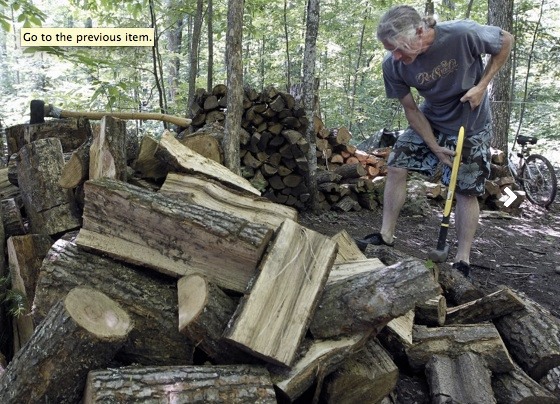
410,152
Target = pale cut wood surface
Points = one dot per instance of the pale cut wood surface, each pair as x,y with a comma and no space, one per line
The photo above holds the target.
182,158
347,248
271,321
215,196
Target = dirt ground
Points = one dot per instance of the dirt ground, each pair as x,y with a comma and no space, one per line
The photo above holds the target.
520,252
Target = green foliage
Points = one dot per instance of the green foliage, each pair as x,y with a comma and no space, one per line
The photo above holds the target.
14,300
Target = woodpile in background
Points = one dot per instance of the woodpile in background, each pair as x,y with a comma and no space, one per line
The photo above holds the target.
274,148
197,289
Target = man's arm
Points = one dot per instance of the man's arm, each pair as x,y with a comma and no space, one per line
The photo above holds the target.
420,124
475,94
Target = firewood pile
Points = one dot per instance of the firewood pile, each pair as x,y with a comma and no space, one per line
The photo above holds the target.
274,150
201,290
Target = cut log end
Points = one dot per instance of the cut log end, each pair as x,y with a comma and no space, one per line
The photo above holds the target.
193,296
97,313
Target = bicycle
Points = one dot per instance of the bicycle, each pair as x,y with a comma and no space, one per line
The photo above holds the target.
534,173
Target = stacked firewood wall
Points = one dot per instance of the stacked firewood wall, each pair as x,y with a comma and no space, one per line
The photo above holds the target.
274,150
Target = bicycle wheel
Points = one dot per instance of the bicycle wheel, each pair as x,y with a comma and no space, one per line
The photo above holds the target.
539,180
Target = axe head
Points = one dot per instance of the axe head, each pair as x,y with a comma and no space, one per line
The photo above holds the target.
439,255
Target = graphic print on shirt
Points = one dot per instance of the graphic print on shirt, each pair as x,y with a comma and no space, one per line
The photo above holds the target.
445,68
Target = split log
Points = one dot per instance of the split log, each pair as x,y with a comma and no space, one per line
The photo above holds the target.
70,132
206,145
350,171
482,339
319,358
80,333
372,299
147,164
494,305
464,379
271,321
126,222
533,338
366,377
431,312
76,169
183,159
347,248
204,312
214,195
108,150
46,204
25,256
387,255
12,218
516,387
150,301
186,384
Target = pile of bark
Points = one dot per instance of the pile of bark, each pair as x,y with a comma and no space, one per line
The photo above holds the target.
274,149
200,290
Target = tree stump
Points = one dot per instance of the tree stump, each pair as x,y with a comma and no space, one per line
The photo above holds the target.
80,333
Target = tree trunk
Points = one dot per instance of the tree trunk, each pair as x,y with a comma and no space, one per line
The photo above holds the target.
186,384
193,55
272,319
74,338
500,14
150,301
234,62
309,96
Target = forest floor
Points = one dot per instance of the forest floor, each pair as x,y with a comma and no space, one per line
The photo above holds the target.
520,252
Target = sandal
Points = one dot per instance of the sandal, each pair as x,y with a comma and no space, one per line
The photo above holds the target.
374,239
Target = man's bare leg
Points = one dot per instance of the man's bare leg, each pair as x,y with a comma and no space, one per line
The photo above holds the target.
466,222
393,200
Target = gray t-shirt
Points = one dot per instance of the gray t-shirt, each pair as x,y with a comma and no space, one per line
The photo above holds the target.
451,66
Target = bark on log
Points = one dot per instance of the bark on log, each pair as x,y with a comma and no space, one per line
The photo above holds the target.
271,321
80,333
126,222
319,357
494,305
25,256
108,150
516,387
46,203
551,381
350,171
181,158
12,218
7,189
457,289
482,339
215,196
186,384
204,312
151,301
71,133
533,337
372,299
366,377
464,379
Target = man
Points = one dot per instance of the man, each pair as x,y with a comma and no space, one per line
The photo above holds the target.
443,62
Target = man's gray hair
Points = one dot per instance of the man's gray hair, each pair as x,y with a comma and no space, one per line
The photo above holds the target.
400,23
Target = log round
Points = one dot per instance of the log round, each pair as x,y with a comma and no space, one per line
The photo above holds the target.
80,333
532,335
